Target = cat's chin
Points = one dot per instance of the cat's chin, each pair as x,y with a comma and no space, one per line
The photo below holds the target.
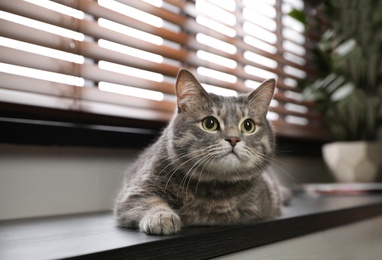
227,163
230,167
232,158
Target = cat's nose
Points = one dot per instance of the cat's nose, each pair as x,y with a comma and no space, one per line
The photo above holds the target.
233,140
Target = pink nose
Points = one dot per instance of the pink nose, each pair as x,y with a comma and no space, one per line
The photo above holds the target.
233,140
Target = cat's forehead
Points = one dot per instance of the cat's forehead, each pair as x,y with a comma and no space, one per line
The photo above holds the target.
232,106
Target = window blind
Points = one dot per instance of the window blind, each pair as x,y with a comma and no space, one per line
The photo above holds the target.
120,58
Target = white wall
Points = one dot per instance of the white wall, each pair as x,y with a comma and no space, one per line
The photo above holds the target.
46,180
40,181
294,169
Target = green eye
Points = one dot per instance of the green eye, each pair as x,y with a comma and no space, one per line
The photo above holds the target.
210,123
248,126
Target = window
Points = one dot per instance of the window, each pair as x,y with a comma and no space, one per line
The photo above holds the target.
119,58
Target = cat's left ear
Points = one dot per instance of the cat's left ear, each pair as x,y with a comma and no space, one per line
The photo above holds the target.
190,94
260,98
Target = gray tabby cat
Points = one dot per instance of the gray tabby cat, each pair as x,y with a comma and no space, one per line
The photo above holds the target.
210,166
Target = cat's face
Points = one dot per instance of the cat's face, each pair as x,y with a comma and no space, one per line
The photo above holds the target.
221,138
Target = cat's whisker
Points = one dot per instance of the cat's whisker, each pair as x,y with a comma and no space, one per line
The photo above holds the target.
190,173
274,165
210,152
285,173
174,171
255,156
274,159
209,159
203,160
212,148
172,162
171,158
277,163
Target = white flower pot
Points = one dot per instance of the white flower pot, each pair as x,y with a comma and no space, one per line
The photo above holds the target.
354,161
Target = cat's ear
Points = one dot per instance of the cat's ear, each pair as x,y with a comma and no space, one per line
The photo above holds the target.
260,98
190,94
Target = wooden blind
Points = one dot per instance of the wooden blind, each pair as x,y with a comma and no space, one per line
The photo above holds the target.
120,58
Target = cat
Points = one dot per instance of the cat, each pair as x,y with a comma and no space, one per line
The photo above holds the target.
210,166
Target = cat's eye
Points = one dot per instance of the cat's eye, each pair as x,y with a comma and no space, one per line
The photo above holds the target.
248,126
210,123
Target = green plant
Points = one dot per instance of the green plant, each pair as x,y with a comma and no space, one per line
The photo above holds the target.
349,56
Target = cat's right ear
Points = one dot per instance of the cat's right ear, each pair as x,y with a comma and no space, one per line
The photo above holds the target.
190,94
261,97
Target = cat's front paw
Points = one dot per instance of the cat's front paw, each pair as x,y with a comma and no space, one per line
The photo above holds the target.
160,223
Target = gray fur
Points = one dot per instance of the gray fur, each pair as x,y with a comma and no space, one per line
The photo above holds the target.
191,176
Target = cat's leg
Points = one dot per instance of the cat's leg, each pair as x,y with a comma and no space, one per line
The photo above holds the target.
160,220
151,215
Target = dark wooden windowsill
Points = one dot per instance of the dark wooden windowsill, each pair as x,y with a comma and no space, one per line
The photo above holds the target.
95,236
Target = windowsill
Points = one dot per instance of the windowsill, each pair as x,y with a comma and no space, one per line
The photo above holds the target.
94,236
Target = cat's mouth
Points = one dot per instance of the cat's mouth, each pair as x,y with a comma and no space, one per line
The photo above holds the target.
233,152
229,159
230,153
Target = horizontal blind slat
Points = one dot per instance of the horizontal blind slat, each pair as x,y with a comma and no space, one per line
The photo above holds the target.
35,61
124,111
179,3
97,11
88,106
239,71
37,100
92,50
36,86
96,95
93,72
301,131
35,12
309,115
281,97
35,36
160,12
62,95
195,45
91,28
